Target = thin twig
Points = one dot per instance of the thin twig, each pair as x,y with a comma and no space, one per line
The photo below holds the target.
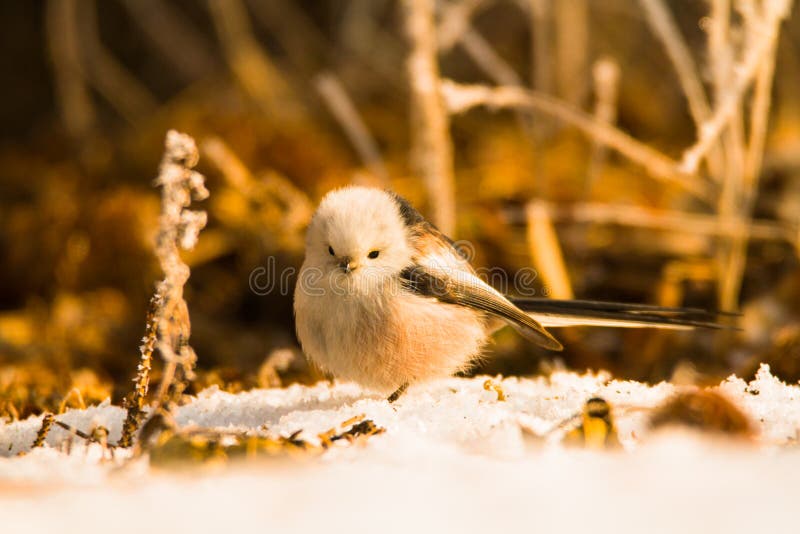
136,402
109,77
489,61
455,21
41,435
571,19
173,36
759,115
254,70
74,100
305,45
545,251
666,29
459,98
606,82
539,12
749,157
99,434
666,220
342,108
729,256
743,75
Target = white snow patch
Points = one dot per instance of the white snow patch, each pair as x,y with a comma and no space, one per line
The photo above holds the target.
453,458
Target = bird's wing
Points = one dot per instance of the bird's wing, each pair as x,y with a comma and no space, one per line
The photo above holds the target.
465,289
555,313
440,271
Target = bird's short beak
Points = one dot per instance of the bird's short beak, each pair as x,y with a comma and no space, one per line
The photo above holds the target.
346,264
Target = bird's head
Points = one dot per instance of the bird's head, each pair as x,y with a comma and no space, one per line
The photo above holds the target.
358,238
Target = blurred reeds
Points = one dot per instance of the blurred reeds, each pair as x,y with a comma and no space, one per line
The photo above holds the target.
628,150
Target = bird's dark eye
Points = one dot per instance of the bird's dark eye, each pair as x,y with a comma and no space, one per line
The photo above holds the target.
330,250
374,254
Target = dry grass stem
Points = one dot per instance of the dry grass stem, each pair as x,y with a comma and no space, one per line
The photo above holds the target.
251,66
235,172
666,29
455,19
173,37
303,42
571,18
743,74
136,402
743,154
459,98
545,251
759,115
667,220
74,99
343,109
455,28
432,150
489,61
606,84
47,423
541,76
109,77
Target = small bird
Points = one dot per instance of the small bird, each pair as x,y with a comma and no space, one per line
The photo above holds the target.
385,299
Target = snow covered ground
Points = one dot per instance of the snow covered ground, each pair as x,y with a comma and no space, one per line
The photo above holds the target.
453,458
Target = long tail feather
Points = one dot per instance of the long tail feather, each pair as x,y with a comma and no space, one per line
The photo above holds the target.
556,313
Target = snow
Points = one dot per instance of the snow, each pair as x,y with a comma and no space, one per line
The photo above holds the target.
452,458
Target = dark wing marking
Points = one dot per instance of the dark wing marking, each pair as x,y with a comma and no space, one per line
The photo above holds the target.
472,295
421,231
409,214
617,311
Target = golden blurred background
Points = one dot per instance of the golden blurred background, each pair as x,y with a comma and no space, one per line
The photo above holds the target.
290,99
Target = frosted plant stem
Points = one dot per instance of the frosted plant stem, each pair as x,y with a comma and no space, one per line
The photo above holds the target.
666,29
178,229
730,101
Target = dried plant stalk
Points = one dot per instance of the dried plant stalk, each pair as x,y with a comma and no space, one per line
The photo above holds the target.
541,77
606,83
75,102
732,79
173,36
109,77
666,29
136,402
455,21
666,220
252,67
743,74
41,435
432,150
341,106
545,251
168,327
489,61
571,19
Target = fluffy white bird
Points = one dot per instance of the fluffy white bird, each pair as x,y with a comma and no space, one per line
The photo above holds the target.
384,299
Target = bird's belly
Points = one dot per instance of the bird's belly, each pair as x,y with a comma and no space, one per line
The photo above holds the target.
383,344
